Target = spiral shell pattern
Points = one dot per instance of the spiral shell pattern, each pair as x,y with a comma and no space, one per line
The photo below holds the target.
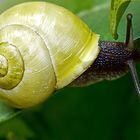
43,47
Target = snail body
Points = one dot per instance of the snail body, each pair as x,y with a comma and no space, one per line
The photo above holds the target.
44,47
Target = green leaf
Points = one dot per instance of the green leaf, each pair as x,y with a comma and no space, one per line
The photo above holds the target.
97,19
137,44
118,7
15,129
6,112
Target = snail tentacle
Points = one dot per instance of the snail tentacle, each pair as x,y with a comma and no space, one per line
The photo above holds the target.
134,75
130,45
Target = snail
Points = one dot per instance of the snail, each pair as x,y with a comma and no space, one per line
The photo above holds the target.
45,47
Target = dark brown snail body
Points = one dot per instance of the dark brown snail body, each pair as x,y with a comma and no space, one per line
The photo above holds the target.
110,64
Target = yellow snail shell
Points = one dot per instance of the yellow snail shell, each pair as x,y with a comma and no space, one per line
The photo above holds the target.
43,47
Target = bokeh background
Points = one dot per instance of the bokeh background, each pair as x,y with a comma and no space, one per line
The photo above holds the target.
108,110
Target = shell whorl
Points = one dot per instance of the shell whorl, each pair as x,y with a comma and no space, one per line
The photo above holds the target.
11,66
37,70
54,46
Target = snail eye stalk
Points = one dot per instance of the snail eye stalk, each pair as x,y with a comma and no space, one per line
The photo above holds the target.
134,75
130,45
129,33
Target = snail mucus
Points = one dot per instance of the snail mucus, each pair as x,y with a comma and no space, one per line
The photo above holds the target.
45,47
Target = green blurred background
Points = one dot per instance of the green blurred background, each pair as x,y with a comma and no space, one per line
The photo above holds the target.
109,110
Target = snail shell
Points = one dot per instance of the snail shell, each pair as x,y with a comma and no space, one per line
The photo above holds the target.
43,47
